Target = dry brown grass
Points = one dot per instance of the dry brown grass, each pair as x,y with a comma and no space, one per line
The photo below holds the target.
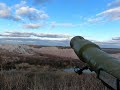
68,52
42,71
14,80
11,61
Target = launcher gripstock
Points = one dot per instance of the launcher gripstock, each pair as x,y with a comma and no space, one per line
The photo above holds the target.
105,66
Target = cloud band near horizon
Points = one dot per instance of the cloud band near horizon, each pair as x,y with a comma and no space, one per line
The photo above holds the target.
49,39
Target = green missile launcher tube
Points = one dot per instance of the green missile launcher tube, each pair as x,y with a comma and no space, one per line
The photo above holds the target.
102,63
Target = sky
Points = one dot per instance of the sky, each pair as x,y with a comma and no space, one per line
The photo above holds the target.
55,22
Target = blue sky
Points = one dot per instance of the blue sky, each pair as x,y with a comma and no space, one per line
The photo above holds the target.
57,21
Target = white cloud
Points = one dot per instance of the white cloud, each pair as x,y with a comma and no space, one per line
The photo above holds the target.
54,24
35,38
31,13
32,26
21,4
33,41
68,25
113,43
115,3
94,19
25,10
111,14
49,39
21,12
17,18
116,39
5,11
31,34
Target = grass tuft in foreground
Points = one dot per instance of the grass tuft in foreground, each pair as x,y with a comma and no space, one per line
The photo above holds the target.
48,80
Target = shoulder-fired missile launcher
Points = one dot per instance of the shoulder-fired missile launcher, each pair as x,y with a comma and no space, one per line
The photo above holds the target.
105,66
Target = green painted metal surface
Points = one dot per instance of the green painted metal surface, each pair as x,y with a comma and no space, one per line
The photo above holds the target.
97,59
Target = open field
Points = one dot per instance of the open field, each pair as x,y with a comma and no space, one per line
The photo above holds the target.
22,80
41,68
